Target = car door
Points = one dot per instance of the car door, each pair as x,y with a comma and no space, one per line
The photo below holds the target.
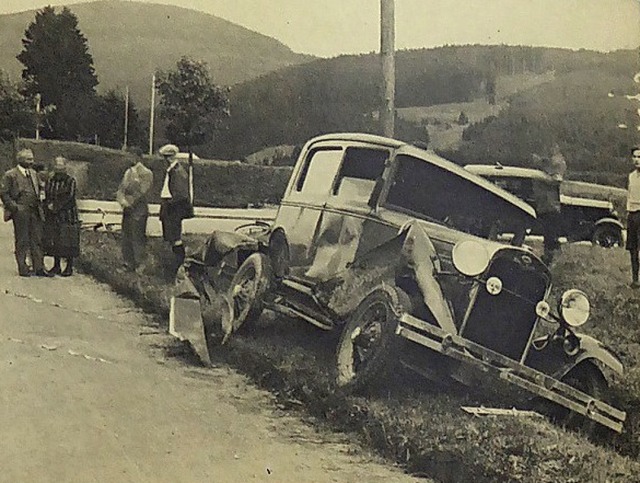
347,223
300,212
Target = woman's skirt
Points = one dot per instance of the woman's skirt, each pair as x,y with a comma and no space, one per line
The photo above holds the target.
62,240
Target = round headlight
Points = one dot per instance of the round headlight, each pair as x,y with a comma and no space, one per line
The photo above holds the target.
470,258
574,307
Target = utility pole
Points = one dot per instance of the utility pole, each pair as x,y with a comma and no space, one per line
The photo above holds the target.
126,120
152,115
387,54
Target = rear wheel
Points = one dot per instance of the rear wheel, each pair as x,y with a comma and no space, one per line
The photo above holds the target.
607,236
247,290
367,350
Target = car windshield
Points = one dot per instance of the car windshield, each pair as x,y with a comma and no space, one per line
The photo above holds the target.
434,193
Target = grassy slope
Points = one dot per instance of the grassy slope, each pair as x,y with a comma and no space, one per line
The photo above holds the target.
408,421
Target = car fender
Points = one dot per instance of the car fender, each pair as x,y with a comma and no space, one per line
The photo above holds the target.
552,359
225,245
609,221
420,256
593,349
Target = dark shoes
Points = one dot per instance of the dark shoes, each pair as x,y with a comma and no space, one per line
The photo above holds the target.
25,273
67,272
635,284
55,270
43,273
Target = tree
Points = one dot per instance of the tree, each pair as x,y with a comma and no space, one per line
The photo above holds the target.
110,121
59,67
16,113
193,106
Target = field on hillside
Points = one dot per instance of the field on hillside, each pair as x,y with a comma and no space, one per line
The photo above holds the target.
441,120
419,425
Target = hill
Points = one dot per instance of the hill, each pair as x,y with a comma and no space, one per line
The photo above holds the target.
537,96
130,40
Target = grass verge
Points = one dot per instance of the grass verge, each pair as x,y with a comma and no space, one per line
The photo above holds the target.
408,421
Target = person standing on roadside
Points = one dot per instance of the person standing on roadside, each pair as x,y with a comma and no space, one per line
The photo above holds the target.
22,196
62,229
133,198
547,196
175,204
633,216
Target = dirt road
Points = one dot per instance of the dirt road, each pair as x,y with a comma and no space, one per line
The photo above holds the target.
88,394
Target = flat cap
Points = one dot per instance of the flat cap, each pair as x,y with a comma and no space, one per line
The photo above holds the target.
169,150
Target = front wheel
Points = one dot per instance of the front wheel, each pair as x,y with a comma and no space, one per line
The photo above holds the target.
588,378
607,236
367,350
247,290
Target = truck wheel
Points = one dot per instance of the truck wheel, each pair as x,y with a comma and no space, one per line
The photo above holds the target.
367,350
607,236
587,378
247,289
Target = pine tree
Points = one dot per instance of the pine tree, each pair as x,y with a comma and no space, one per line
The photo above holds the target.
58,66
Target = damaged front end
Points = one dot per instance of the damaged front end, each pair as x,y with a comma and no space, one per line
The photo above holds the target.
201,310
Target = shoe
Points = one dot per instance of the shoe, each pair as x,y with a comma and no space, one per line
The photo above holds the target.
24,274
66,273
55,270
635,284
43,273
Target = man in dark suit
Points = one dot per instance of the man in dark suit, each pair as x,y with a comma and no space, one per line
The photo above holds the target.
22,196
175,204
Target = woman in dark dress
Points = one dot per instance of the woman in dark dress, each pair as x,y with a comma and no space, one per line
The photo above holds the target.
62,228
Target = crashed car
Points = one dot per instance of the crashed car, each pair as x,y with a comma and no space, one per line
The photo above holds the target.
582,219
398,249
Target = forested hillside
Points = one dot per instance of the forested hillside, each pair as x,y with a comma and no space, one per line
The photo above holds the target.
130,40
572,106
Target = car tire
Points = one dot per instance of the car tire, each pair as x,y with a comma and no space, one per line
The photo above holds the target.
247,290
588,378
607,236
367,350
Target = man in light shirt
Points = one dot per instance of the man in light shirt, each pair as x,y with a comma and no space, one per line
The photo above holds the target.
175,204
633,219
133,197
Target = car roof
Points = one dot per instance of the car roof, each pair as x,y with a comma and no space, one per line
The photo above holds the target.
428,156
499,170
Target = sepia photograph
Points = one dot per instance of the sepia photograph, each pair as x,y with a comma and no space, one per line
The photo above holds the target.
340,241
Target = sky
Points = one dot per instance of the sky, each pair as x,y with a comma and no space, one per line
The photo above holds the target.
331,27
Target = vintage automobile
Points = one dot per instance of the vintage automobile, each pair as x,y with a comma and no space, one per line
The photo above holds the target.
583,219
397,249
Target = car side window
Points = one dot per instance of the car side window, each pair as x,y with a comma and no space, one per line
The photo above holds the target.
319,171
360,170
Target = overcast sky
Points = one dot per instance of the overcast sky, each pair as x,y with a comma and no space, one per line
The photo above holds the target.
331,27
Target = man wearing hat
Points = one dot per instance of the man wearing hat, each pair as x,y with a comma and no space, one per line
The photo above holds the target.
22,196
175,204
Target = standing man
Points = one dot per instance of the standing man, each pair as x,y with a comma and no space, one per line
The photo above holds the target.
22,195
133,197
175,204
633,217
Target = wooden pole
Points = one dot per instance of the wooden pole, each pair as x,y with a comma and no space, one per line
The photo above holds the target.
152,114
38,106
126,120
387,54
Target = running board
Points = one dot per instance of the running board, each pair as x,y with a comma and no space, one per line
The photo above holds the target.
531,380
